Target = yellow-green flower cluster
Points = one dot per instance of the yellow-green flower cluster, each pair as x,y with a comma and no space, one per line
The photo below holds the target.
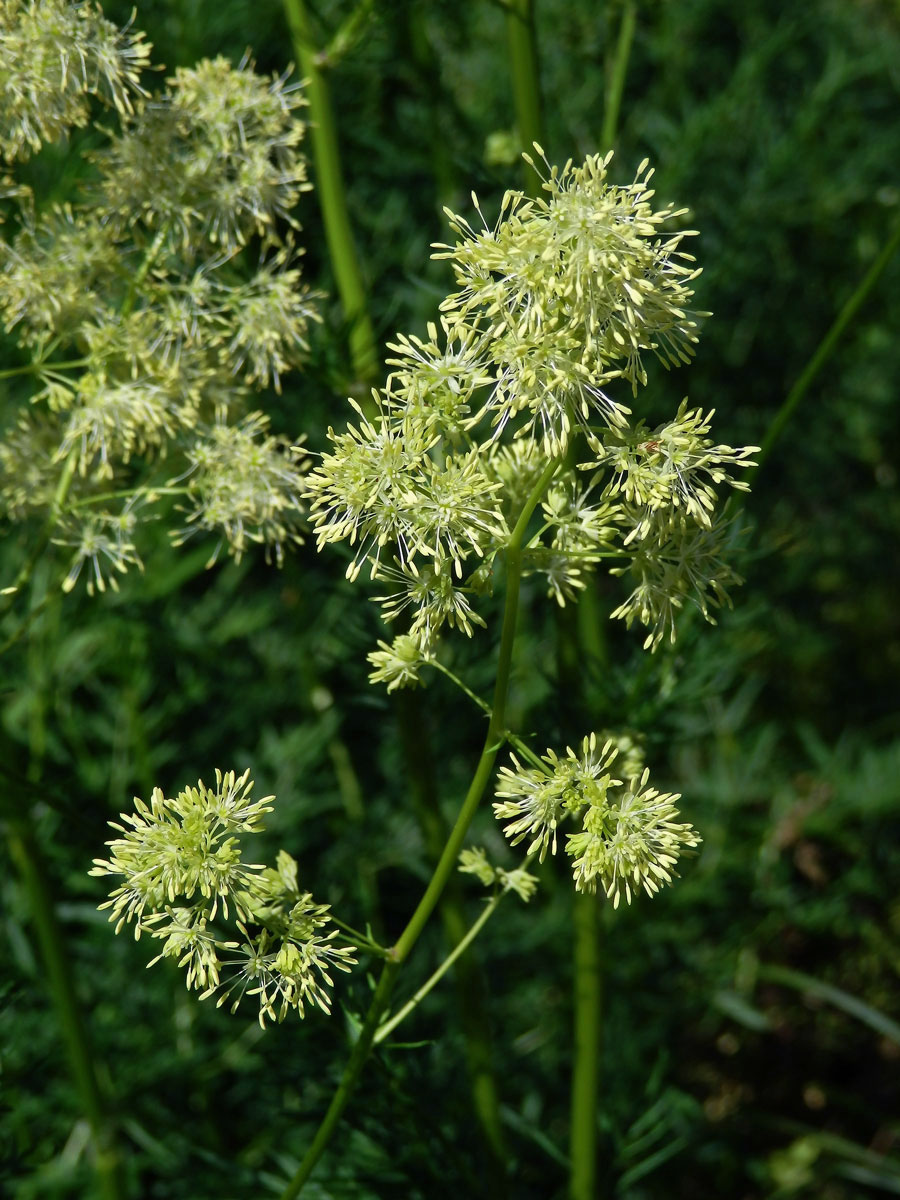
474,861
628,838
183,876
568,291
561,299
54,56
142,326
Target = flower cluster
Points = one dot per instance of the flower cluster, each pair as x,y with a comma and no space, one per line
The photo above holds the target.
54,56
474,861
571,289
628,839
181,869
562,298
143,322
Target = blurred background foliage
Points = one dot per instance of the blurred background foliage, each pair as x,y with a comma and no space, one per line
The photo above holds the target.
750,1037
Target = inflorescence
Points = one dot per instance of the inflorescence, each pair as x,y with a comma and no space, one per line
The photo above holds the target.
562,298
183,877
143,319
628,839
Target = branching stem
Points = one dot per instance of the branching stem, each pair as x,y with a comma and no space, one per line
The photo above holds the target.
494,738
389,1026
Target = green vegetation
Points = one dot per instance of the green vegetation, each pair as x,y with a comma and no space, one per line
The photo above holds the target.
612,983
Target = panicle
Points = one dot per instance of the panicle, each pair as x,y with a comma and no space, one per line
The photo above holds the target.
628,838
55,56
183,878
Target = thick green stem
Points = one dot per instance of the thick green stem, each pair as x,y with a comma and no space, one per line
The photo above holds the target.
333,197
826,347
447,862
496,726
587,996
586,969
581,656
525,82
616,70
345,1088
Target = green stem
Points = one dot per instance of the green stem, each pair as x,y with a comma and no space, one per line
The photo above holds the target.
127,493
447,861
333,196
581,654
26,855
35,368
473,696
588,991
615,75
364,942
460,948
345,1088
496,726
522,39
471,998
826,347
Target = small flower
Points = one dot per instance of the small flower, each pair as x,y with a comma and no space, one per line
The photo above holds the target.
188,939
111,420
29,468
583,532
215,160
435,381
628,837
398,663
537,798
103,540
454,511
675,561
433,597
53,274
519,881
268,318
53,56
283,974
363,492
474,861
574,286
674,467
174,849
246,484
629,845
181,862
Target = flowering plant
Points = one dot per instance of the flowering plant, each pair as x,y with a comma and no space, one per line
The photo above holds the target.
501,441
